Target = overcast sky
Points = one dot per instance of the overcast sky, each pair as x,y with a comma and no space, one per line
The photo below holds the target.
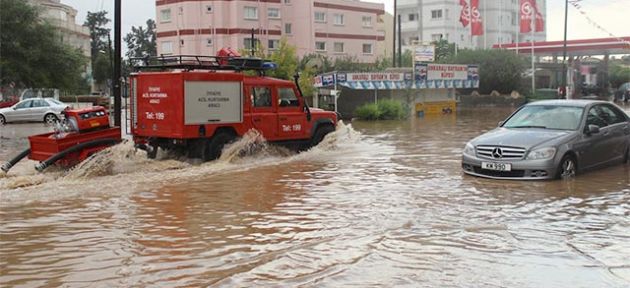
609,14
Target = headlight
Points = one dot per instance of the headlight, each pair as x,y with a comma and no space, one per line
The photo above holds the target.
469,149
542,153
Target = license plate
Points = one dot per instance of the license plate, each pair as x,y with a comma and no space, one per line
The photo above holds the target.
496,166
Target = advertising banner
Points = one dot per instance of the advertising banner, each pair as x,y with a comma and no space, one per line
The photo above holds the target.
424,53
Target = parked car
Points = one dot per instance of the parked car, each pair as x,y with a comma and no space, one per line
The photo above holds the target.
623,93
36,109
551,139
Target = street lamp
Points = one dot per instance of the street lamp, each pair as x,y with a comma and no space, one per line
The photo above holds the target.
564,51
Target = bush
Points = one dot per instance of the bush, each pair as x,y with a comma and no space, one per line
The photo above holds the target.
385,110
368,112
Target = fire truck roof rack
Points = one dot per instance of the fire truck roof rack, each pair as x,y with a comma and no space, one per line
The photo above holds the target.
193,62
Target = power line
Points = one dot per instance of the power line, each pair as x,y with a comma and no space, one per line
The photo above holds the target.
577,6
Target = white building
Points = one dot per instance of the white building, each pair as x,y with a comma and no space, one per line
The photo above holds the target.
63,18
430,20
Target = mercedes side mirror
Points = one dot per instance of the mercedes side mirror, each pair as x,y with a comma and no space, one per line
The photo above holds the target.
501,123
593,129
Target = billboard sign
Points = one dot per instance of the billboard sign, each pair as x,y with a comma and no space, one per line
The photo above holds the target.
424,53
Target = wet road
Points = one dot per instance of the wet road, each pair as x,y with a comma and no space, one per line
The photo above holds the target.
377,204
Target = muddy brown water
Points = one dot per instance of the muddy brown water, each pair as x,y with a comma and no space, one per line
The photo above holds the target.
377,204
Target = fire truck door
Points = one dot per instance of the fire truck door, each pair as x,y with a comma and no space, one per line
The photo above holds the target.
291,117
264,118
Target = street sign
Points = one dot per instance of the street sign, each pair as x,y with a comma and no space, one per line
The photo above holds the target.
424,53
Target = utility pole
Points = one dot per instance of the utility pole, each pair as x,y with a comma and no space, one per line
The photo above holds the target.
564,51
399,42
394,46
117,66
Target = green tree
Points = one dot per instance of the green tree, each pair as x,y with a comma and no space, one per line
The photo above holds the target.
618,74
32,54
499,70
100,45
443,50
142,41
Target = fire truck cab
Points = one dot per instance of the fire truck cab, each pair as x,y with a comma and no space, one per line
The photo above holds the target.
195,105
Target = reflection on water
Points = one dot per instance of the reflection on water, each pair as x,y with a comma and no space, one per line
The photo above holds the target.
386,207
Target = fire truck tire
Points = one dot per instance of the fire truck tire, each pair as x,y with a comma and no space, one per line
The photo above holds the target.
321,132
152,151
215,146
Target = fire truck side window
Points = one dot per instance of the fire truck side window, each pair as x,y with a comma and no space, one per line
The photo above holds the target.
287,98
261,96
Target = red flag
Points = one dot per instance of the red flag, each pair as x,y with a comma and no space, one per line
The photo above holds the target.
529,9
464,16
475,19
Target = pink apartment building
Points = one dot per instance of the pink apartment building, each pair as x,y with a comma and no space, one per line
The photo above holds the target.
336,28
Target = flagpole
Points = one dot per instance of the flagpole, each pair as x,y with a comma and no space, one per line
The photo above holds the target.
485,32
472,46
500,23
518,32
533,28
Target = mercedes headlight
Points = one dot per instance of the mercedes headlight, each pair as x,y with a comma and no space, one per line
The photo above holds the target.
469,149
542,153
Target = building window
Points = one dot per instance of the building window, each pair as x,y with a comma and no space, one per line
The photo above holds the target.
338,47
273,44
288,2
367,21
367,48
251,13
181,10
320,46
287,28
209,42
247,43
165,15
413,17
167,47
338,19
436,14
320,17
273,13
208,8
436,37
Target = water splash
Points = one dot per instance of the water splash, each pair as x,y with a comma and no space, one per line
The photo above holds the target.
250,147
120,159
122,168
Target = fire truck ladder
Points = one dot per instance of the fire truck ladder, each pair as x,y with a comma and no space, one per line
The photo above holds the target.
192,62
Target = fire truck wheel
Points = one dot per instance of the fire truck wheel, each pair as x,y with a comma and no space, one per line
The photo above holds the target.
215,146
320,134
152,151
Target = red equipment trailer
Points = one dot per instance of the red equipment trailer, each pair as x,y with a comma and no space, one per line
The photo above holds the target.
85,132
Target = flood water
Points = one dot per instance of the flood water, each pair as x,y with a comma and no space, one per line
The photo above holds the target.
375,205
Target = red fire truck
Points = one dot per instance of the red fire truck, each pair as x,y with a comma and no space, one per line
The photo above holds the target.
197,104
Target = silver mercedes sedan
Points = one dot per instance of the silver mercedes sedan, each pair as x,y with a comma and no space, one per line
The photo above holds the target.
549,140
47,110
